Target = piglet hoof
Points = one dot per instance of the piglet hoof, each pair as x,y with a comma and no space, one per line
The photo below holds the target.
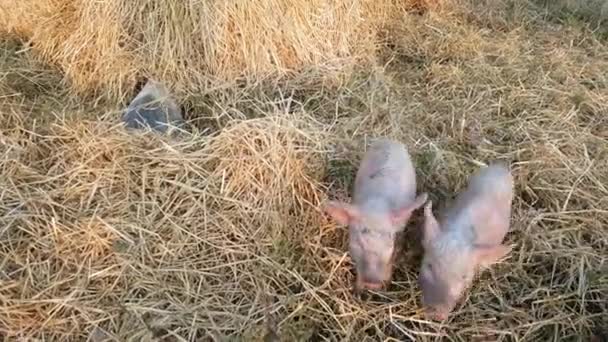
153,108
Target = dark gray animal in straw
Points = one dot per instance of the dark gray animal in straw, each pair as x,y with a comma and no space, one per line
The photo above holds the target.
153,108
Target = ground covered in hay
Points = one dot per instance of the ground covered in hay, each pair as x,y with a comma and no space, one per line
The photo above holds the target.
218,235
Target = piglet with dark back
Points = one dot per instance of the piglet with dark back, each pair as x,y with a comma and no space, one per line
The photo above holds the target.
468,235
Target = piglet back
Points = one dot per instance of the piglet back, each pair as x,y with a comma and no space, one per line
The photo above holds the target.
386,171
486,204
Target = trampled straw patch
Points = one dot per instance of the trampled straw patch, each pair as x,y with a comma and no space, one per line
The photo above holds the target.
89,242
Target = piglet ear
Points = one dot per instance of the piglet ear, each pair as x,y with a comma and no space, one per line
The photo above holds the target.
342,213
485,256
400,217
431,226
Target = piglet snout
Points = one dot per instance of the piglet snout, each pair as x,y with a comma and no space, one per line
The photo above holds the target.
370,283
435,314
372,286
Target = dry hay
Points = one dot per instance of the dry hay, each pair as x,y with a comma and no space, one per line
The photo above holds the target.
104,216
193,45
589,9
144,237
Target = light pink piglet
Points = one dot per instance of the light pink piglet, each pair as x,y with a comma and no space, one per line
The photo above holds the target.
384,198
469,235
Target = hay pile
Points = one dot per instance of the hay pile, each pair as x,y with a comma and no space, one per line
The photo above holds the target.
106,46
92,211
106,217
218,236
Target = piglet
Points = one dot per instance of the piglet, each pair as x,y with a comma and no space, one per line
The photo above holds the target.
467,237
384,198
